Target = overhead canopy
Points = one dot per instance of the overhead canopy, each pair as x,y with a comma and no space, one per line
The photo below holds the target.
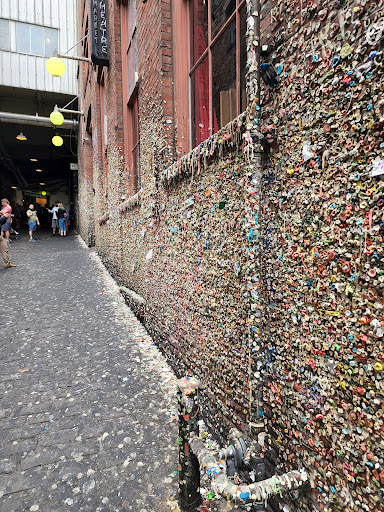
15,155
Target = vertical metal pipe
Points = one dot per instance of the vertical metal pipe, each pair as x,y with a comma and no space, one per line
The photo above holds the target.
189,472
259,424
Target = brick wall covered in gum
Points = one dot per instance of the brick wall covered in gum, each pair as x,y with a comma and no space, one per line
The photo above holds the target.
194,286
322,233
323,245
156,132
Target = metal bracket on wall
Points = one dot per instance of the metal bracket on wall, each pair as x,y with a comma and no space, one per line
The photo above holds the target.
65,56
64,109
83,59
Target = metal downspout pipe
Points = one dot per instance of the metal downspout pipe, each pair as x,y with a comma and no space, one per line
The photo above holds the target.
257,492
189,474
195,457
9,117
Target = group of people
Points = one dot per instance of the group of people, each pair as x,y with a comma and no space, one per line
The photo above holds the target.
60,219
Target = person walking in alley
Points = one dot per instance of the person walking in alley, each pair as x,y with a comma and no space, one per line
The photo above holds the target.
32,221
4,245
67,210
6,226
61,215
55,220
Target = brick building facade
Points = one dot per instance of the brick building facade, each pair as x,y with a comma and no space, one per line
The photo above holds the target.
259,252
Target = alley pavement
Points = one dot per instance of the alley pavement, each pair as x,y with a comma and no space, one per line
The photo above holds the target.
87,409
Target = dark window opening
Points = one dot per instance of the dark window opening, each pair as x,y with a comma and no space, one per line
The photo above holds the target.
134,141
131,100
85,42
199,29
221,12
88,124
243,59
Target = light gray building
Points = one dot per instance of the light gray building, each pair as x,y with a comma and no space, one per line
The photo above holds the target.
31,31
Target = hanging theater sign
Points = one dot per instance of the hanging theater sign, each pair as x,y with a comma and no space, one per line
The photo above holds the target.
99,32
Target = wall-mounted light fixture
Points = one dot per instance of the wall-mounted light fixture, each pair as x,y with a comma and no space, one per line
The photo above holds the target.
56,117
56,67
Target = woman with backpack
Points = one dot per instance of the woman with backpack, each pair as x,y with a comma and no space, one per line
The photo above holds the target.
62,216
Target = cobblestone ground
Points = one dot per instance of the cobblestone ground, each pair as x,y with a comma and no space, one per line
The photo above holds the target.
87,411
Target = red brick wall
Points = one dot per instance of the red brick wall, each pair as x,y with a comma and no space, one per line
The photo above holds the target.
110,179
156,112
107,178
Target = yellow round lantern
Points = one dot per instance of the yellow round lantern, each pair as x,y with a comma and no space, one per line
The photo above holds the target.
57,140
43,193
56,118
55,66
